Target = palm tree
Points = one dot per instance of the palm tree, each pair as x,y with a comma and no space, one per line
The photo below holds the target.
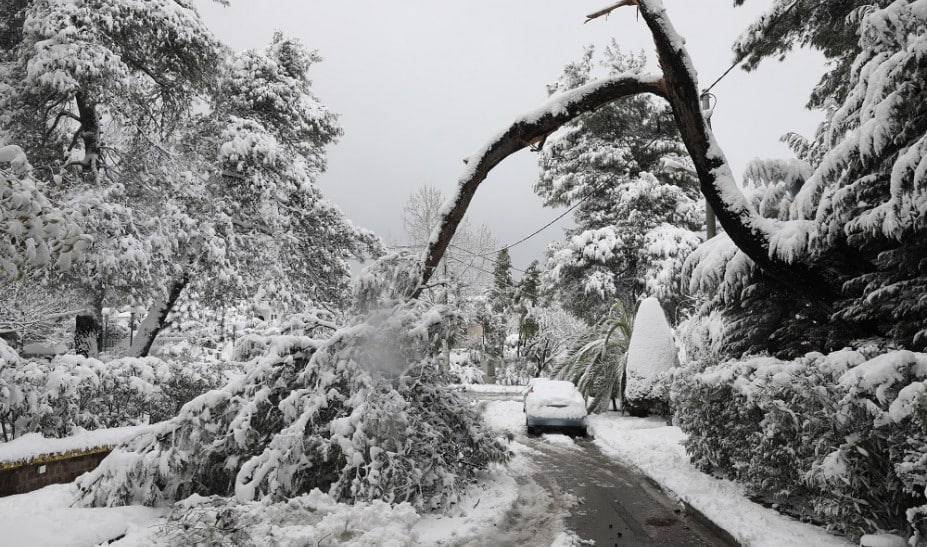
596,362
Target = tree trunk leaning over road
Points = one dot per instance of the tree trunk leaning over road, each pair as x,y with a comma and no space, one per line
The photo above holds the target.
759,238
527,130
156,319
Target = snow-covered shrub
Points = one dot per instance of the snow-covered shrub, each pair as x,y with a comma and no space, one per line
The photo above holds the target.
71,392
515,371
362,415
464,367
840,438
651,355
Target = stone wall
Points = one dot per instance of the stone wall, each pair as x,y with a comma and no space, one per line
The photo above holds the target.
25,476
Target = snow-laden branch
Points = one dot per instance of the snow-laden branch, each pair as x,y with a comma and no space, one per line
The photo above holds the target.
526,130
774,245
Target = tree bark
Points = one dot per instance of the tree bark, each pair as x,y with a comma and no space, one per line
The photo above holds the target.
89,131
87,333
746,227
156,318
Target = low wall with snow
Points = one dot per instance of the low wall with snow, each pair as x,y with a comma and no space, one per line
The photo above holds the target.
31,462
21,477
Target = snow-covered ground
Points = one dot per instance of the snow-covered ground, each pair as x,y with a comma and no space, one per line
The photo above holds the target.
44,518
656,450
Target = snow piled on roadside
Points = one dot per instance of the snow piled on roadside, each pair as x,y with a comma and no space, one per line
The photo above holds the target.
45,518
656,450
505,416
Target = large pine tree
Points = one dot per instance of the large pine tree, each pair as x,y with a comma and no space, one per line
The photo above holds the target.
637,211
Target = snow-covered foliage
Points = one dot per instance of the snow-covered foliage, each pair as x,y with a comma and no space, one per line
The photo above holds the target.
651,356
33,232
555,330
464,367
841,438
637,203
852,206
311,519
188,164
71,393
364,414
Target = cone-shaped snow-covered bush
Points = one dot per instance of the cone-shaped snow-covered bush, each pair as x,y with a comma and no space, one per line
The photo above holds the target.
651,353
364,414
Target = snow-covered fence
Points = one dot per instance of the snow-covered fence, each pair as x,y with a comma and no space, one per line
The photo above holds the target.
840,438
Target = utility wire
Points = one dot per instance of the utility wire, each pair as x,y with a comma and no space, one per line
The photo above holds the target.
539,230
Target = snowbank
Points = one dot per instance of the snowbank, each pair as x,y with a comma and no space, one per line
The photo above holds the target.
656,450
45,518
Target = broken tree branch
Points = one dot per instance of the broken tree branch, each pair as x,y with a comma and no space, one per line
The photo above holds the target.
609,9
521,134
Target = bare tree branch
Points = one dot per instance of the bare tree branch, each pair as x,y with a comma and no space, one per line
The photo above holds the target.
609,9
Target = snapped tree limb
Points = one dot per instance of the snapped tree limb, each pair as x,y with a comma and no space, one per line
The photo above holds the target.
769,243
521,134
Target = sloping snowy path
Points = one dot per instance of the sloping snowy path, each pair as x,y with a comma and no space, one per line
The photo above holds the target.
606,502
654,449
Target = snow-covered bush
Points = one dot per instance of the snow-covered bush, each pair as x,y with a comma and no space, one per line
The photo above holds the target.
464,367
59,397
362,415
651,355
841,438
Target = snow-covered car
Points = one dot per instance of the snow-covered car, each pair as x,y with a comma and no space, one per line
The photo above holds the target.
554,404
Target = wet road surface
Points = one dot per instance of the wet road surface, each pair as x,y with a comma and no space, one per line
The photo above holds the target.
614,506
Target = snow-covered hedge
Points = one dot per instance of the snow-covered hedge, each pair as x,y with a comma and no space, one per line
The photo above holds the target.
365,414
57,398
839,438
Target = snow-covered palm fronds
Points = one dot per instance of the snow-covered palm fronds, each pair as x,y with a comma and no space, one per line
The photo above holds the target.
596,362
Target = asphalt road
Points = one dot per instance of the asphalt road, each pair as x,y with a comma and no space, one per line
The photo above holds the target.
615,506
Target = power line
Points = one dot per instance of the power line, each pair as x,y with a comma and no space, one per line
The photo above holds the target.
539,230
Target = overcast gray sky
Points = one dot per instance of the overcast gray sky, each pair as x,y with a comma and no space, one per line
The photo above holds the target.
421,84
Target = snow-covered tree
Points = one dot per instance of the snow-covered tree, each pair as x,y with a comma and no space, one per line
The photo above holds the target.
502,293
853,211
362,413
636,220
464,267
651,355
191,164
